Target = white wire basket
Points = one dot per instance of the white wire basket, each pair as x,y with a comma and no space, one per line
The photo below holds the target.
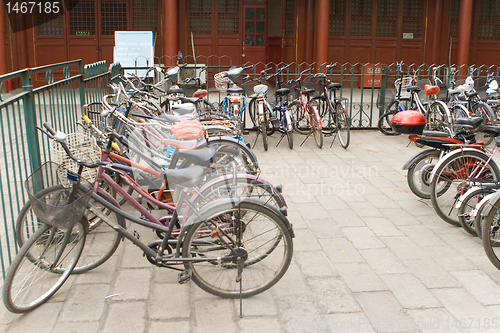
221,81
81,145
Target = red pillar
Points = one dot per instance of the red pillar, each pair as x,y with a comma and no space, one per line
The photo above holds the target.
464,30
436,36
309,29
3,50
322,31
170,28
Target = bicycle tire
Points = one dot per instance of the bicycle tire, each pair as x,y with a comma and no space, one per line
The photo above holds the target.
419,173
439,117
33,266
468,203
343,125
302,124
267,239
328,120
459,111
491,227
100,244
263,130
384,122
315,126
288,127
451,171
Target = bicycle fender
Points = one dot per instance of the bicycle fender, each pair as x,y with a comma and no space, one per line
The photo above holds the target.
487,203
451,155
462,197
417,158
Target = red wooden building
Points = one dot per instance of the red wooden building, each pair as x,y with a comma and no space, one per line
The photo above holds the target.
385,31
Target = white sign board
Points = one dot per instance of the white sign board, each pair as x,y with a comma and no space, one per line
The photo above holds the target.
134,49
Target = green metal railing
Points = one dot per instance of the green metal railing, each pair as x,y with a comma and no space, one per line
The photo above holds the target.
67,87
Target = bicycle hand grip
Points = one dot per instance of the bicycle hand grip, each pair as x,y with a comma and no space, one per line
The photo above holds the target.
49,128
87,119
247,67
116,147
159,89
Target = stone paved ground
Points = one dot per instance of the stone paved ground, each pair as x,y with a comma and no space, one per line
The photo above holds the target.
369,257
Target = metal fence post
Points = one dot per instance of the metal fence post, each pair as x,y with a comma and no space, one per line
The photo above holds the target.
81,85
30,121
383,80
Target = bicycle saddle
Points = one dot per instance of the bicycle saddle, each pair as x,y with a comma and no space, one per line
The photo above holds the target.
177,119
307,91
189,99
282,92
431,90
203,156
200,93
175,90
471,94
413,88
492,130
188,177
334,86
234,89
183,108
473,121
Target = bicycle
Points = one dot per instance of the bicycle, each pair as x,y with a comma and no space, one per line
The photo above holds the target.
214,239
436,112
308,120
334,116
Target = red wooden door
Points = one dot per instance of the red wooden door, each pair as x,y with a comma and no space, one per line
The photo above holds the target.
254,33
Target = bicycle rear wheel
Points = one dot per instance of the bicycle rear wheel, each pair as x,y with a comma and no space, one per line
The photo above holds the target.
454,175
491,228
315,126
343,125
261,249
35,275
468,204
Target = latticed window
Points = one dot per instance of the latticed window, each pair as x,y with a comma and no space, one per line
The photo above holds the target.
361,18
113,16
289,17
387,13
81,17
50,24
489,20
413,13
200,16
145,15
337,18
454,18
228,22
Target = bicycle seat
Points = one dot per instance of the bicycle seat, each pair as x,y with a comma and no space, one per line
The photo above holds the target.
474,122
413,88
183,108
200,93
436,134
203,156
181,144
307,91
176,119
234,89
471,94
188,177
431,90
497,143
175,90
334,86
453,92
189,99
492,130
282,92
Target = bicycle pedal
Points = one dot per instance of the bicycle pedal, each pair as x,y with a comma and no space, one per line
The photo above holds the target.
184,277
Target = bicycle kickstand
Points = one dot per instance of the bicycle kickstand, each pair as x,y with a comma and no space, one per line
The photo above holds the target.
281,139
307,137
334,137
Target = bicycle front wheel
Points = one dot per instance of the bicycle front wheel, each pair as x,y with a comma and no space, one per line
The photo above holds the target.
491,234
42,266
100,243
454,175
263,130
473,197
343,125
259,254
